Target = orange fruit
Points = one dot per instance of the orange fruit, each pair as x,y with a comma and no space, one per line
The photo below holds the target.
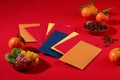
16,42
114,55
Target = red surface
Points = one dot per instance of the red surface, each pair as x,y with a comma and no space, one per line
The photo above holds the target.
14,12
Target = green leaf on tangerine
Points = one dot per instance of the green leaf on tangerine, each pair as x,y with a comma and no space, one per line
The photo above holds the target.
82,7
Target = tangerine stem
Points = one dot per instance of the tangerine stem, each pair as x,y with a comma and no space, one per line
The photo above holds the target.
106,10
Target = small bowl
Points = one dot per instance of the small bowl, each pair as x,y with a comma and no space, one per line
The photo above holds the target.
22,60
23,68
96,28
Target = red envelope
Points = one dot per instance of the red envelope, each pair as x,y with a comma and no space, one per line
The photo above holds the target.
62,28
38,33
68,44
25,34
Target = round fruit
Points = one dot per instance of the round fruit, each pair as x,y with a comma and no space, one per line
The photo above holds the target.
114,55
103,15
89,12
16,42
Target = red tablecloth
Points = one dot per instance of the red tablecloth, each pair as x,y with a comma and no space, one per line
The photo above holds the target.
14,12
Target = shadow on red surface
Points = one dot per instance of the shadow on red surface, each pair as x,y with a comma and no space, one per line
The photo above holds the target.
114,22
112,31
41,67
31,49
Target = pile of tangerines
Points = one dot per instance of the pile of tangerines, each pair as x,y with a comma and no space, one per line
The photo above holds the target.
89,11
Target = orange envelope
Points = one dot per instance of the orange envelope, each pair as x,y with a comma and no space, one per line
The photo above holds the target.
81,55
25,34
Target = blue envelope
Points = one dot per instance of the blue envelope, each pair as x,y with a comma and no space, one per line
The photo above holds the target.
55,37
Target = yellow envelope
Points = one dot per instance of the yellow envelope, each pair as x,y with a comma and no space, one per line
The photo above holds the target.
81,55
25,34
50,26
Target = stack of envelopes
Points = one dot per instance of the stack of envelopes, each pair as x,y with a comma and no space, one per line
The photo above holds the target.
60,41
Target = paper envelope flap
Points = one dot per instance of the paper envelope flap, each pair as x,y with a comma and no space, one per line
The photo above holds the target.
25,34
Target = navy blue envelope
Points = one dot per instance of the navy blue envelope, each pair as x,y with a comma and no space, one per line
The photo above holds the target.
55,37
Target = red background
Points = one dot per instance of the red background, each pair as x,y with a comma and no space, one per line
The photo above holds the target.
14,12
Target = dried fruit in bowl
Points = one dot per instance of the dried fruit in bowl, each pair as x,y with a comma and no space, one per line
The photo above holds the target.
95,27
22,60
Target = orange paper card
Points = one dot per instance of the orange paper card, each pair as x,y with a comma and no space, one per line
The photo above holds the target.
81,55
25,34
